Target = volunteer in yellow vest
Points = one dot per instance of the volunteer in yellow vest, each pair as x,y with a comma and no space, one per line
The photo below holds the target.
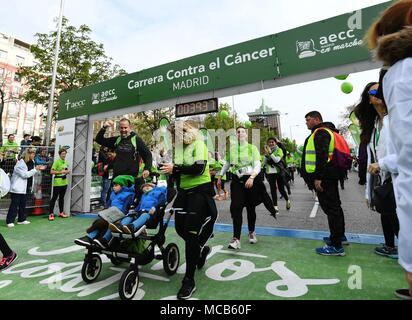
290,163
9,150
60,170
323,176
197,212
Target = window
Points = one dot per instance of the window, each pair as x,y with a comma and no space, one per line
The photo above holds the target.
20,60
3,54
30,112
28,127
17,77
16,92
11,126
13,110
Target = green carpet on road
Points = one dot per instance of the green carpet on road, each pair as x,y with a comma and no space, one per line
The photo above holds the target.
49,264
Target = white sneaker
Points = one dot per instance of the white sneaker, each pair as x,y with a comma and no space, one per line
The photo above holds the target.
252,237
24,222
288,205
277,209
10,225
234,244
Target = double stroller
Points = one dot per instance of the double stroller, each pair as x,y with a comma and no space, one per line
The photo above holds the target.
118,254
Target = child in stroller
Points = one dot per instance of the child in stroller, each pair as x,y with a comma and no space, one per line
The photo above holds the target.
152,198
121,199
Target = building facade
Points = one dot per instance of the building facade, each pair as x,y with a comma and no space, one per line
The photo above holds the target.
19,117
267,117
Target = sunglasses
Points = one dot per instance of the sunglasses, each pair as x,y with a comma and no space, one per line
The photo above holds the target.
373,92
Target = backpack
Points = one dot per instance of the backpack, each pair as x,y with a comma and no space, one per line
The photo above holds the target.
341,157
134,143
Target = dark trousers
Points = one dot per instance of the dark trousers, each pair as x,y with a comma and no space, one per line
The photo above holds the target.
195,226
17,206
390,227
58,192
274,179
4,247
242,197
330,203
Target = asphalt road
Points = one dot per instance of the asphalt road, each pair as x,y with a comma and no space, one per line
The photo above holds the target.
358,218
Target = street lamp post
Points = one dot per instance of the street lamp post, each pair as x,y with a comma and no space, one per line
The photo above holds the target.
53,84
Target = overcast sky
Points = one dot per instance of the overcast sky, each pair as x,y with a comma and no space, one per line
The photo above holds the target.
143,34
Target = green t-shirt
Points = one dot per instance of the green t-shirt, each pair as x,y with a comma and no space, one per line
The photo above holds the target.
10,150
194,152
59,165
273,169
242,158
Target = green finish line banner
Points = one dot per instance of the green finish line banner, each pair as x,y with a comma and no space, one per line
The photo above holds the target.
332,42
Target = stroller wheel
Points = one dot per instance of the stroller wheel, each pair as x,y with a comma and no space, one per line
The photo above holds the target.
129,283
171,258
91,268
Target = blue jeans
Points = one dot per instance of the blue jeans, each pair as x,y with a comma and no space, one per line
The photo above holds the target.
105,189
137,223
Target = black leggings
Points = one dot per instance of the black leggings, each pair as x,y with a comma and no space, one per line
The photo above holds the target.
195,225
4,247
242,197
390,227
274,178
58,192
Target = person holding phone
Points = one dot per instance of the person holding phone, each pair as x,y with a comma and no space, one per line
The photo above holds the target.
60,170
23,171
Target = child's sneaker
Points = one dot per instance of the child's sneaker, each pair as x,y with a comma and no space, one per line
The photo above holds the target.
115,227
63,215
129,229
25,222
234,244
8,260
83,241
51,217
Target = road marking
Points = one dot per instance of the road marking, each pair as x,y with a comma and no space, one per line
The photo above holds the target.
315,208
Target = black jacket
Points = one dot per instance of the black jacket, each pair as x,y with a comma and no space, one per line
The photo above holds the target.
324,169
127,158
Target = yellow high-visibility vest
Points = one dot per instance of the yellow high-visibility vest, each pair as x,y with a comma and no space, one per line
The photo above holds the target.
310,152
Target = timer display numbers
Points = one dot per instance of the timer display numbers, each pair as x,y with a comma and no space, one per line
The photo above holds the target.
196,107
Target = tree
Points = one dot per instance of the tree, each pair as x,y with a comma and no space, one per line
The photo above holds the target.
82,62
147,122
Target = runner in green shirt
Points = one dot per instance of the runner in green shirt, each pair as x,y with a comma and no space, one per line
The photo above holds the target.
275,172
196,210
60,170
247,188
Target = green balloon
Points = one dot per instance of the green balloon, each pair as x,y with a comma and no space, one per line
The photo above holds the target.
341,76
248,124
164,122
224,114
346,87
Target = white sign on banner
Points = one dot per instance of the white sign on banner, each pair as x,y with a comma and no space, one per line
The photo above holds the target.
65,139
